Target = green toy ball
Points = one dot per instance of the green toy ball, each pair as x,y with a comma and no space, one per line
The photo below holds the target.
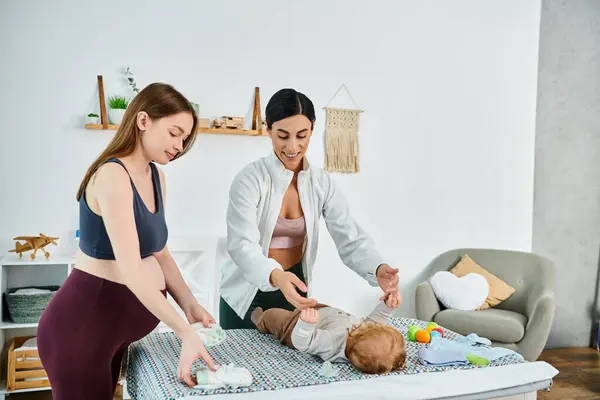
412,332
432,324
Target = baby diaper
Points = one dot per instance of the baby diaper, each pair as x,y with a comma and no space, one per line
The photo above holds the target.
224,376
211,336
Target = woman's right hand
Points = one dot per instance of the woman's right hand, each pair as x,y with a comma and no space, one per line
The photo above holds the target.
287,282
192,348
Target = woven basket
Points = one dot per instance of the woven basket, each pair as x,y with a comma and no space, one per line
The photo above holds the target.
28,308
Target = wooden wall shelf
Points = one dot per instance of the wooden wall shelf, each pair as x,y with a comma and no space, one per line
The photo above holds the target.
218,131
257,123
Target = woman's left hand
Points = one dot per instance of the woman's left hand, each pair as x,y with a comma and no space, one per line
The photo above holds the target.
197,313
388,279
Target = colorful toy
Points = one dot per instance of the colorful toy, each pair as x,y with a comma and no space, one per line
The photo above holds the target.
417,334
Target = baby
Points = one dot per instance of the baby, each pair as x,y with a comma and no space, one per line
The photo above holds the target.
369,344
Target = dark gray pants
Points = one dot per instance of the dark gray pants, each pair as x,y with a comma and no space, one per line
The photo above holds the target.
228,319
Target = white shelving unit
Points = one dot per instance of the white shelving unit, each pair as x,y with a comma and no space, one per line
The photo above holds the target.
18,271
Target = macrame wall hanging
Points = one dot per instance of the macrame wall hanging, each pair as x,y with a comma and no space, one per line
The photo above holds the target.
341,137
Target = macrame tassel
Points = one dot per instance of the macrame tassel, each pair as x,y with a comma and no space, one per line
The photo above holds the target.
341,140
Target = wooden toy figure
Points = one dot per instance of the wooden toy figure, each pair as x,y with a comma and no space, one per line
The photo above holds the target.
229,123
34,243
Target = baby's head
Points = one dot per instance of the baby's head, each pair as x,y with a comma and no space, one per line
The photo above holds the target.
375,348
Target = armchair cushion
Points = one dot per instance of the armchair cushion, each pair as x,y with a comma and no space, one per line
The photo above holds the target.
499,290
497,325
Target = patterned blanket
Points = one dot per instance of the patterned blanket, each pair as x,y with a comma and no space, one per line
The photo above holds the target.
152,363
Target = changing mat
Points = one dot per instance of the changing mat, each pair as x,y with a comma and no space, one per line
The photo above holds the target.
152,363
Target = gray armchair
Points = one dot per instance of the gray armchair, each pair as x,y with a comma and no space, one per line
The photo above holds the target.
522,322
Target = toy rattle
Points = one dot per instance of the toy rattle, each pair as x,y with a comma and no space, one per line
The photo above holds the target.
417,334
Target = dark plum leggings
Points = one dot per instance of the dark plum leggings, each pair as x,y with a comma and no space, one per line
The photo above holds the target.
84,332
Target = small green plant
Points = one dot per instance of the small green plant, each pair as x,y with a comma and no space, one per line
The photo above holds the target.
118,102
92,115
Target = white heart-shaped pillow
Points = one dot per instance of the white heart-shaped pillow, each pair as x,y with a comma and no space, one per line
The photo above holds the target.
466,293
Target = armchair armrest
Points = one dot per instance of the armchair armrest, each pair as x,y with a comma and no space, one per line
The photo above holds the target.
426,304
532,303
540,314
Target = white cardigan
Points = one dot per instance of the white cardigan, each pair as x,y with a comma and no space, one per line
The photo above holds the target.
255,199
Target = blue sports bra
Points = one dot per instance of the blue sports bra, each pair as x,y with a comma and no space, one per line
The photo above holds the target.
151,227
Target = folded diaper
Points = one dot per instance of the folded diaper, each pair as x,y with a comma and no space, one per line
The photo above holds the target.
211,336
225,376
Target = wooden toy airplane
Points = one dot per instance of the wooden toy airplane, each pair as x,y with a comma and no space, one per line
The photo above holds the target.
34,243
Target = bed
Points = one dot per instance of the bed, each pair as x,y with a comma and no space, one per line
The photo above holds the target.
279,371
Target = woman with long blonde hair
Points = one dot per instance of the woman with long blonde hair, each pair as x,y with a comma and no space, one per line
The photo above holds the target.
116,294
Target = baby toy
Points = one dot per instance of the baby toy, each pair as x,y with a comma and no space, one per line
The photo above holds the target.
418,334
34,243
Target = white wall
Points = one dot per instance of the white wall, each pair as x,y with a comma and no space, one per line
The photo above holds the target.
447,137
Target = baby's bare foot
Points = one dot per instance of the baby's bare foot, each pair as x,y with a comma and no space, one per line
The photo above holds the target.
256,314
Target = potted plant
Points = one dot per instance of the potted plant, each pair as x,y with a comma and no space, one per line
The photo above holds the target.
92,118
117,105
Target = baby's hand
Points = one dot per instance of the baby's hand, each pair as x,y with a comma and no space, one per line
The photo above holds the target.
309,315
393,300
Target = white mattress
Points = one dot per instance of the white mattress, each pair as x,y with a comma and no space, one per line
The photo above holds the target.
459,383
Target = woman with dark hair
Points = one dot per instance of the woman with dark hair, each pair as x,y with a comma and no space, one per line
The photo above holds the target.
275,204
116,293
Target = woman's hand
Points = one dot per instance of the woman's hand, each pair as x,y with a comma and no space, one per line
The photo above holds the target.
192,348
388,279
287,282
197,313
